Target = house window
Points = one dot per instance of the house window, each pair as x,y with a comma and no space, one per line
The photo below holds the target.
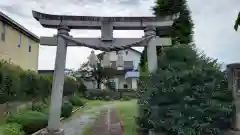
128,65
114,64
3,34
125,86
20,40
238,80
29,46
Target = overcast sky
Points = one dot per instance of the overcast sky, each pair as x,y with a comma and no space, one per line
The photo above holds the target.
213,21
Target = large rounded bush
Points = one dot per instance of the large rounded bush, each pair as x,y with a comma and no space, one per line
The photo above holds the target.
31,121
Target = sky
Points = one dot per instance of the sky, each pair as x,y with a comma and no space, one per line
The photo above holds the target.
213,20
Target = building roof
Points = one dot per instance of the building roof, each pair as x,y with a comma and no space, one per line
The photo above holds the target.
100,55
132,74
18,27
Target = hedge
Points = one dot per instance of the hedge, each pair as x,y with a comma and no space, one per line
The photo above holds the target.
110,95
18,84
67,109
76,101
12,129
185,96
31,121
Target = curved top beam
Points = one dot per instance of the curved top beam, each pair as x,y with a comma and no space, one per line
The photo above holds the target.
39,15
94,22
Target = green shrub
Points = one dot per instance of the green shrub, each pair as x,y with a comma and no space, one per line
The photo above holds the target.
182,99
76,101
126,98
102,94
38,107
70,86
9,82
17,84
67,109
13,129
31,121
107,98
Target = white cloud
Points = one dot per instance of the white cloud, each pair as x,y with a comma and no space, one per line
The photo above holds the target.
213,24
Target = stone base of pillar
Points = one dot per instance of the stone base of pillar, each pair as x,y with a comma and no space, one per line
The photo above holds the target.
232,132
45,132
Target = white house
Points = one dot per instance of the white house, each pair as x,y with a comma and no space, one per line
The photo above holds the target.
126,77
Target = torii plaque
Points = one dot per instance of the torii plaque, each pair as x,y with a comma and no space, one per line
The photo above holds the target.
106,43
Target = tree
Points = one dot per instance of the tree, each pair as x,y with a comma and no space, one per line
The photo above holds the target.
182,29
237,22
98,73
180,98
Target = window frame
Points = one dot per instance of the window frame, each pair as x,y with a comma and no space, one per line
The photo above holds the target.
3,33
29,45
20,40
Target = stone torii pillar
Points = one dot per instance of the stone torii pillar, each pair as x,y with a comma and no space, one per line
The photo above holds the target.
151,49
57,86
233,71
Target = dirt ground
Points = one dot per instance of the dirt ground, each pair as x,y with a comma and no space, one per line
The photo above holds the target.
100,126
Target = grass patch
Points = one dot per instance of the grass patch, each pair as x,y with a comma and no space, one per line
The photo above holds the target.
87,129
128,111
95,102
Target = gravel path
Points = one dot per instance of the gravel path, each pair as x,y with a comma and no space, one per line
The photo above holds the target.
77,123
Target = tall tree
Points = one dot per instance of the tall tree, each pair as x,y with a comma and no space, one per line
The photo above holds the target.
179,92
98,73
182,30
237,22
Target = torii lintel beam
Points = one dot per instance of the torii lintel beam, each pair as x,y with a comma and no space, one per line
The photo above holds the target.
52,41
94,22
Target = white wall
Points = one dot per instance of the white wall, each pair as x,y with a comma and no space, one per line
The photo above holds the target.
134,83
130,56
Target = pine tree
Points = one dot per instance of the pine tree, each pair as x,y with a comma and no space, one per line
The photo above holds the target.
237,22
180,97
182,29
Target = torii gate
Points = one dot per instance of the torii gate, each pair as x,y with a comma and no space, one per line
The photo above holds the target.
106,43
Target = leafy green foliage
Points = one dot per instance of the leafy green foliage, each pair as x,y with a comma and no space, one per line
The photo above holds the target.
182,29
183,26
39,107
237,22
12,129
70,86
9,82
188,94
76,101
17,84
98,73
67,109
31,121
110,95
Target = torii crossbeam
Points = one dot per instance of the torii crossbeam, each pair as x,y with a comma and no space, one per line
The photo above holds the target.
106,43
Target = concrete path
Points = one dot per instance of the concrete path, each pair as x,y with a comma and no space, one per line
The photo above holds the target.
76,124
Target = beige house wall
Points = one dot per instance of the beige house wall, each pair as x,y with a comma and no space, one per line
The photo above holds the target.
10,51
